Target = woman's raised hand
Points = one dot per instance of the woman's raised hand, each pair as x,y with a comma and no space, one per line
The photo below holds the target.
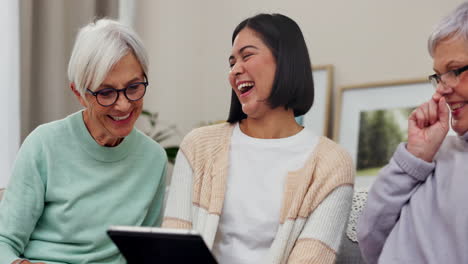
427,127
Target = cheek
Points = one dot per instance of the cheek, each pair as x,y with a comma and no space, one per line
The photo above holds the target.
99,112
268,70
139,107
268,77
92,109
95,108
463,87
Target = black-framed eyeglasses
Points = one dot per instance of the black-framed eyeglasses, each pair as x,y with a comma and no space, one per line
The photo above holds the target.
108,96
450,78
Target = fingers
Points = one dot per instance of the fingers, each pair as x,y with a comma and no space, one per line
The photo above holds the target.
412,122
443,112
427,114
415,118
25,261
433,112
421,115
21,261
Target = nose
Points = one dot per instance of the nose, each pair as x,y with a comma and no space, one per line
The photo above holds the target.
122,103
443,89
237,69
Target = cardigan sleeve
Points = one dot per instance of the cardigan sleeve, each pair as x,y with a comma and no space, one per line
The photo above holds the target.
320,238
329,202
23,201
178,213
393,188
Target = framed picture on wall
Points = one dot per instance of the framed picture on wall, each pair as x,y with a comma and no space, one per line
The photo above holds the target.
372,119
318,116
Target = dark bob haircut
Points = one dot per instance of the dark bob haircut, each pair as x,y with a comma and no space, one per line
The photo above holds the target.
293,86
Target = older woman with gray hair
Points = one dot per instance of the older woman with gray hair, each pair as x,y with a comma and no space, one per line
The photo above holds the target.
417,209
75,177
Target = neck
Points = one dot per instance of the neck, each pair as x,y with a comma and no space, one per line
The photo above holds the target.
98,135
279,123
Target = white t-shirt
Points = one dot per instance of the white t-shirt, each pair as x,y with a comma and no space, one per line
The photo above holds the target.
253,199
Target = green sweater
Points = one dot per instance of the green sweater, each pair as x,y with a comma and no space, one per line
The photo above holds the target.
66,190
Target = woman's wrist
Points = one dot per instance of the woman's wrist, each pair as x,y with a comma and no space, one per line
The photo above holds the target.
420,153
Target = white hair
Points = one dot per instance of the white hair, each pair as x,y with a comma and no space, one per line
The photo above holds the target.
453,25
98,46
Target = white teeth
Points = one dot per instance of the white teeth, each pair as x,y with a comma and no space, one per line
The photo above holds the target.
118,118
246,84
456,106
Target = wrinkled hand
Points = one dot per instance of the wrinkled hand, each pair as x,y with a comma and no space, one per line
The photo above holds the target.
427,127
25,261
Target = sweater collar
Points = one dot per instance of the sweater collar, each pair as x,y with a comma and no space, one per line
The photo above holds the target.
98,152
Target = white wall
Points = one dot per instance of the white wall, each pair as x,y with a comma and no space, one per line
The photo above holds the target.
127,12
9,81
189,43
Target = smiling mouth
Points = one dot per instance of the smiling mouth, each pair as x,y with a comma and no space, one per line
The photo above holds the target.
120,118
456,106
245,87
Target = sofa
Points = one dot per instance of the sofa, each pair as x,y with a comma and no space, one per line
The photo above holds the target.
349,252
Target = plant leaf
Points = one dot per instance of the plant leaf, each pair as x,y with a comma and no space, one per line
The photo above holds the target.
171,153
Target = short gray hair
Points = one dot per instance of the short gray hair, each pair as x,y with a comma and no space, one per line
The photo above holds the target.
98,46
453,25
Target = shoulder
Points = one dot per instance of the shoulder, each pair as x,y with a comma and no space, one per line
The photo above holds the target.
39,147
206,142
208,134
47,132
149,145
327,149
331,158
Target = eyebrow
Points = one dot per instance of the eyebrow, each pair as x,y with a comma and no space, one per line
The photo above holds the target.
242,49
134,80
449,64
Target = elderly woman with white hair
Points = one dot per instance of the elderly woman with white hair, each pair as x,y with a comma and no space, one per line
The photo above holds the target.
417,209
75,177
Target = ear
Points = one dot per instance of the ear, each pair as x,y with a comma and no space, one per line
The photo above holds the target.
78,95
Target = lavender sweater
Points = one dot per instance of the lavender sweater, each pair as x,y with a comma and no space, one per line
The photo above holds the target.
417,212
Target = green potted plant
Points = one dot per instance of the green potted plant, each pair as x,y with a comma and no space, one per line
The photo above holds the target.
161,134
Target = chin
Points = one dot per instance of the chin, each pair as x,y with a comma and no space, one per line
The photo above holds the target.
250,110
460,132
459,128
121,133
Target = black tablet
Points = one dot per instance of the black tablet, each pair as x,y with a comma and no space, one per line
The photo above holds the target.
160,245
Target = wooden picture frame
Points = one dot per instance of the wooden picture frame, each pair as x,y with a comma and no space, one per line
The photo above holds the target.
371,120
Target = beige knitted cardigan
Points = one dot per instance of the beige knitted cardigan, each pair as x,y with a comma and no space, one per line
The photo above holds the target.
207,150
